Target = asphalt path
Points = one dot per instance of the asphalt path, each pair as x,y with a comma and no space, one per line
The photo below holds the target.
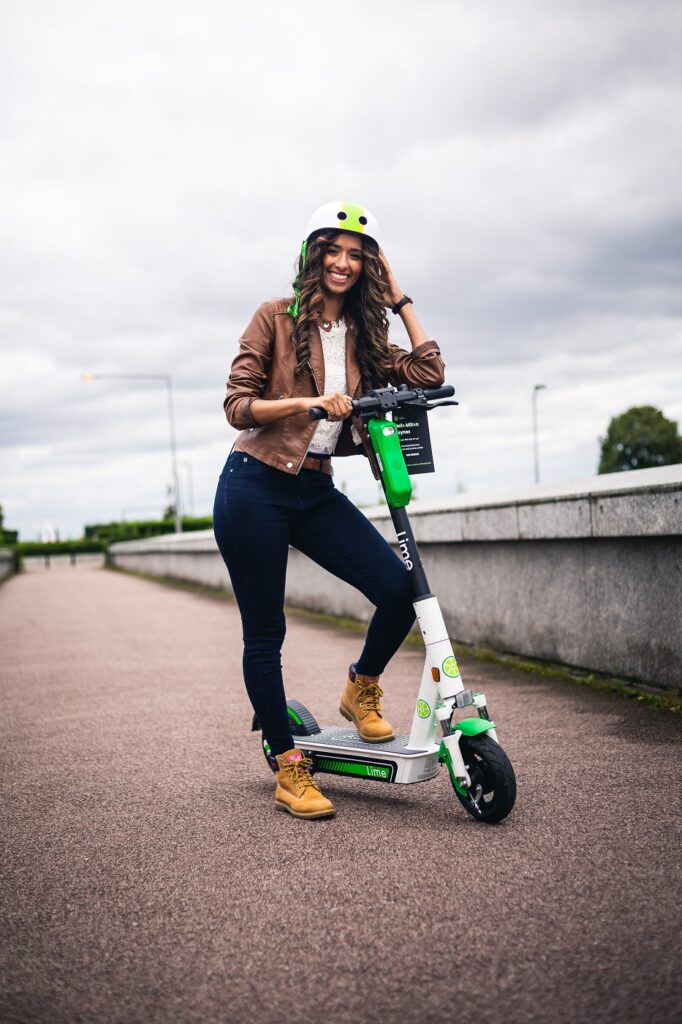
146,876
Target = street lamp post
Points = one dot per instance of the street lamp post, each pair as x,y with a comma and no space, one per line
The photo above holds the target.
187,466
166,378
536,388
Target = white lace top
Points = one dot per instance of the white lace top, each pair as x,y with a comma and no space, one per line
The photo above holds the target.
334,348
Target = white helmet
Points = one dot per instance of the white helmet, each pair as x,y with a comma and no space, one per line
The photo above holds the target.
338,216
334,216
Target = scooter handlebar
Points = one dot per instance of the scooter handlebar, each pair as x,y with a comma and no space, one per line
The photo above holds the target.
444,391
316,413
371,403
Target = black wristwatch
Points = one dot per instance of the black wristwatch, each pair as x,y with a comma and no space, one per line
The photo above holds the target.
399,305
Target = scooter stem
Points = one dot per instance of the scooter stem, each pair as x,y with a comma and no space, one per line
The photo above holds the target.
410,553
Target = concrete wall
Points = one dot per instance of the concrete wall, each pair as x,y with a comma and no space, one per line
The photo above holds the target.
7,563
587,573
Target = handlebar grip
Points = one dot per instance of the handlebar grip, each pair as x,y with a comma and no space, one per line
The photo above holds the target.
444,391
316,413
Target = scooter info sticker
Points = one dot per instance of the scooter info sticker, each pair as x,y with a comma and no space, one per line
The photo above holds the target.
450,667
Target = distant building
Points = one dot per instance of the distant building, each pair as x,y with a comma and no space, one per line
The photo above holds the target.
48,534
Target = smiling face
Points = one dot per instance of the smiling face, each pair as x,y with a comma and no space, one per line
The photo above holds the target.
342,264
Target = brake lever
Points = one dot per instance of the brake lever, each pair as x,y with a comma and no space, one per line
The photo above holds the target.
421,403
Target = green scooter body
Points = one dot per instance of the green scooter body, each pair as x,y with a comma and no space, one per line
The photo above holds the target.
394,475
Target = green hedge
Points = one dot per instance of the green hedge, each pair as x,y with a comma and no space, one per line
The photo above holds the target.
111,532
37,548
98,536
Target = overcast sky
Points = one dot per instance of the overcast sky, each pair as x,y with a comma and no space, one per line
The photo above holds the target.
159,162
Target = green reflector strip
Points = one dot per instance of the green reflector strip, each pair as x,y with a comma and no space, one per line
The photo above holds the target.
295,717
371,771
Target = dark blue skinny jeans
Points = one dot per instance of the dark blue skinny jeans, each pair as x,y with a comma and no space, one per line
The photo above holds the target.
259,511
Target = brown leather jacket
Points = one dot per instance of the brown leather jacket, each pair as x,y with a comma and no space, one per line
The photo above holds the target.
264,368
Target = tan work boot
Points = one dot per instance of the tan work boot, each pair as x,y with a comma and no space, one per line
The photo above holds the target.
360,704
296,792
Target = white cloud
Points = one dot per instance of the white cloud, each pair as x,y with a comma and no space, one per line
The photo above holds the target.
158,165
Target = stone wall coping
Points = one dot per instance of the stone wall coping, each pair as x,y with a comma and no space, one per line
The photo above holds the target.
633,482
194,541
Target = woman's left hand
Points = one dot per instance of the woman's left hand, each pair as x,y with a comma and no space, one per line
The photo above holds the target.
393,292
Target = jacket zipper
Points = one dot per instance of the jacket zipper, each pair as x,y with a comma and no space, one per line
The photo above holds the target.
317,385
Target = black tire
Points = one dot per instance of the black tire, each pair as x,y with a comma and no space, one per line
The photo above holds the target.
493,783
301,721
302,724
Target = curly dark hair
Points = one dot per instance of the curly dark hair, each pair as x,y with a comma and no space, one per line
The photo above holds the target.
363,305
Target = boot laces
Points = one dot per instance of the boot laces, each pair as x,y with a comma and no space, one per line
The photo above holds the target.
299,772
369,697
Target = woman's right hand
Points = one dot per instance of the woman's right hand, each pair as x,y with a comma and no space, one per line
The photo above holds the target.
337,406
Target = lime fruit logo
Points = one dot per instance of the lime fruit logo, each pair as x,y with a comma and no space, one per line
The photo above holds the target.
423,709
450,667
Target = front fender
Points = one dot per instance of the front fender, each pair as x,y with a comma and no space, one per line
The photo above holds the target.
467,727
472,726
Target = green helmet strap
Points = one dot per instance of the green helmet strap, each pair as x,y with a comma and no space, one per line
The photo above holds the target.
292,309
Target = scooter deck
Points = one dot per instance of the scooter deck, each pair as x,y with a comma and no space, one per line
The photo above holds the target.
340,751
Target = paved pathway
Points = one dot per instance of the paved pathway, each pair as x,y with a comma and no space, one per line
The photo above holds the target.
147,878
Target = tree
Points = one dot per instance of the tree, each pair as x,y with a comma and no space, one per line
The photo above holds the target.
640,438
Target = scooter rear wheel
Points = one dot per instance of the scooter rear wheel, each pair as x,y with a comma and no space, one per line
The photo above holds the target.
493,783
302,723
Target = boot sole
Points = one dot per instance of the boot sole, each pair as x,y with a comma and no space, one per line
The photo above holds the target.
365,739
299,814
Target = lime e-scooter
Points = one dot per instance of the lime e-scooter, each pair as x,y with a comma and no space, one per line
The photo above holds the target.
481,773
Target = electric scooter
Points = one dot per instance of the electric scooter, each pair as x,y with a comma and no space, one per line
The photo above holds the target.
481,774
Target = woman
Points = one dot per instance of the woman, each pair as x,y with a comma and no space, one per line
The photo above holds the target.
325,347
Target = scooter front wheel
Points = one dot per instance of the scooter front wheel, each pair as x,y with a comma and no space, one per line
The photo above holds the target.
493,783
